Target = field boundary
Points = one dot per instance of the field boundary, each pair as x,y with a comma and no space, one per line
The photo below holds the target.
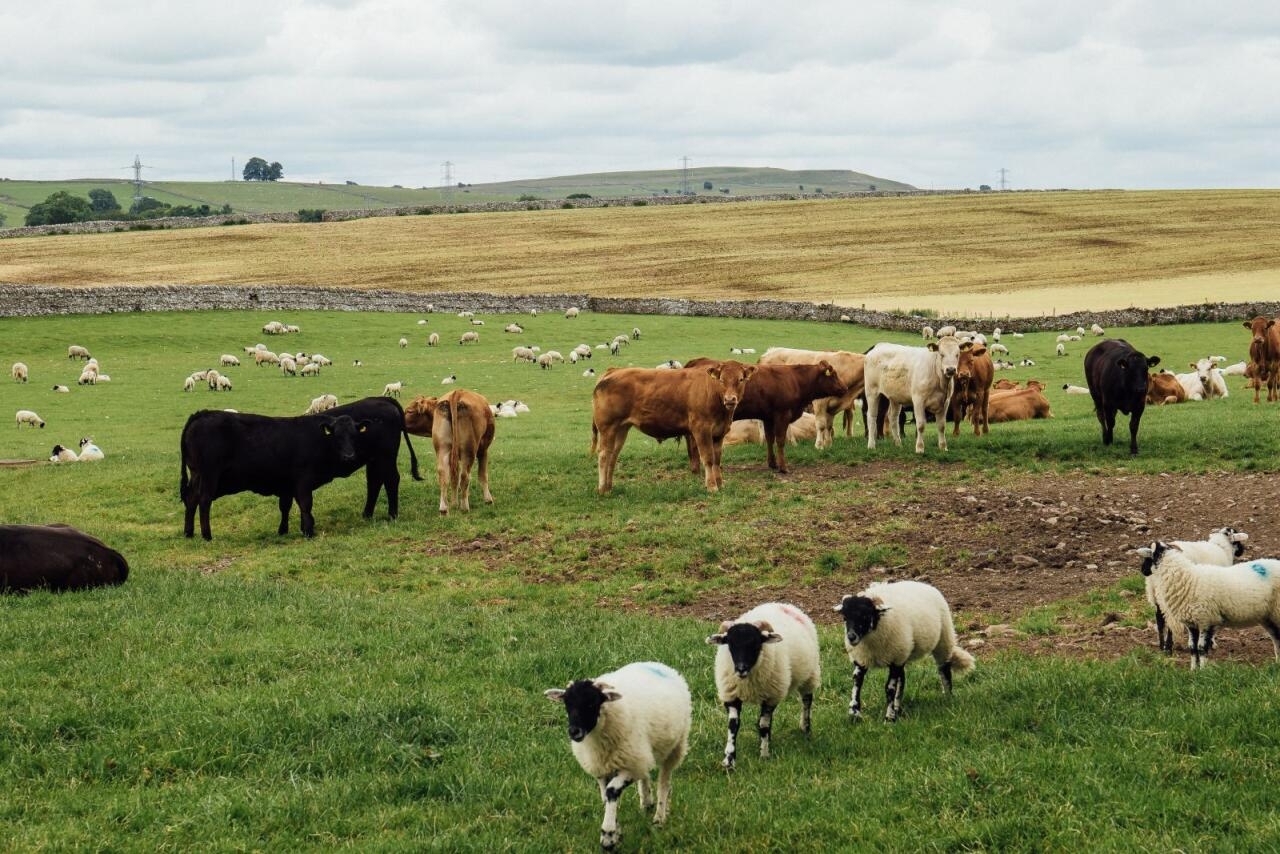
38,300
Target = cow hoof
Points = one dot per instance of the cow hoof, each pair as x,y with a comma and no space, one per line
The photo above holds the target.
444,512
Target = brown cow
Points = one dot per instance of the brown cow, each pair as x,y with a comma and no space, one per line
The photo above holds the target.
1004,385
848,367
1264,356
665,404
461,427
973,389
1164,388
778,395
1021,405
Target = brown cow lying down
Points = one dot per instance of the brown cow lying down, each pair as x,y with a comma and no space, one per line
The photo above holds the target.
1021,405
751,431
697,402
1005,385
1165,388
56,557
461,426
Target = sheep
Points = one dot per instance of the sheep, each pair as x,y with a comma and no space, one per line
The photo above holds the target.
505,411
635,333
356,363
554,355
469,338
571,312
88,377
589,372
738,351
322,361
583,350
199,376
521,407
26,416
321,403
404,342
89,452
189,384
211,377
545,361
927,333
310,369
513,328
622,340
19,372
1202,598
1027,363
1096,330
433,339
223,383
1074,389
573,357
230,361
61,389
614,347
104,378
1218,360
533,312
1075,337
1017,335
449,380
288,366
944,331
535,348
844,318
1062,349
522,354
1080,330
477,322
669,365
431,307
292,328
622,725
265,357
465,314
273,327
749,669
892,623
602,346
999,348
1063,339
422,323
1222,548
995,334
62,455
75,351
393,389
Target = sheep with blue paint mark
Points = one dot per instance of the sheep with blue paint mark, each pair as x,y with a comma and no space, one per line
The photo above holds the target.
624,724
767,654
892,623
1223,547
1204,597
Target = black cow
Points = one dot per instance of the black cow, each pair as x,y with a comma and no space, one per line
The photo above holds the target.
230,452
57,557
1117,378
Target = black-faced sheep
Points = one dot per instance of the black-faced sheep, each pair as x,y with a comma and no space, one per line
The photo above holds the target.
1223,547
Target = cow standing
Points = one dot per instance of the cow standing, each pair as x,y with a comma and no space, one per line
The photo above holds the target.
666,404
848,366
461,426
972,394
1264,356
56,557
923,377
228,452
1117,375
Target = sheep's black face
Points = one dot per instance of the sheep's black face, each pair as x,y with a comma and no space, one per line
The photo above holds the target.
745,642
1237,547
582,701
861,616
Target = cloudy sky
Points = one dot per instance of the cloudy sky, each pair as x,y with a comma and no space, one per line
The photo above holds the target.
1089,93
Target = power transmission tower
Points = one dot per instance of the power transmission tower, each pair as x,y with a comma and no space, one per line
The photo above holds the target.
137,168
1004,183
446,181
233,169
684,176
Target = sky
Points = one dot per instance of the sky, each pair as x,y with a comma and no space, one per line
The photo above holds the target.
1127,93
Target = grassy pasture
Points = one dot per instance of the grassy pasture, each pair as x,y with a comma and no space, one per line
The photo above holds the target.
380,685
1007,254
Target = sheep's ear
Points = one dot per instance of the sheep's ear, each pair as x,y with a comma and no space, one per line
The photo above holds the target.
555,695
772,637
610,695
845,598
714,640
883,609
763,625
1239,537
1145,551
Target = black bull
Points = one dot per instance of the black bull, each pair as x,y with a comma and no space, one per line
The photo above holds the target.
229,452
56,557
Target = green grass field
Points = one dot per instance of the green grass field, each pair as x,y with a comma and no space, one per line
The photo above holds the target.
379,686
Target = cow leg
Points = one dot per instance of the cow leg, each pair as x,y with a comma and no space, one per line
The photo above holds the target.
391,480
872,418
611,442
718,447
304,510
891,421
205,504
482,458
1134,420
707,453
372,486
848,423
189,519
442,476
770,431
922,420
286,504
465,461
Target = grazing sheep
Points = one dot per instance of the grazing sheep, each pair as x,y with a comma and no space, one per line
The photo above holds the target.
356,363
310,369
88,376
469,338
211,377
583,350
926,332
224,383
589,372
892,623
1080,330
322,361
75,351
449,380
433,339
554,355
265,357
622,725
999,348
273,327
321,403
844,318
545,360
62,455
1203,598
1062,349
26,416
61,389
477,322
393,389
571,312
1096,330
765,655
1222,548
635,333
533,312
573,357
522,354
513,328
288,366
189,384
995,335
1063,338
230,361
404,342
19,372
89,452
1074,337
1074,389
465,314
944,331
292,328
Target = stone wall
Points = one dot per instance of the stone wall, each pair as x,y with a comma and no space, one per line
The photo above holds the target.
33,300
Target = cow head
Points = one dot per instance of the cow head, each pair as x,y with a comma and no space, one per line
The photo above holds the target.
1135,366
949,349
1259,326
419,414
1203,367
342,432
732,377
829,383
745,642
861,616
583,701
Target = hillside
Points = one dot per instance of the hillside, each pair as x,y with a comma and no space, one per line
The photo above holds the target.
253,197
1025,253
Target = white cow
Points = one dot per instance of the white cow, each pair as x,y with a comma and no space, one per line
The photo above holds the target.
1215,385
1193,383
921,376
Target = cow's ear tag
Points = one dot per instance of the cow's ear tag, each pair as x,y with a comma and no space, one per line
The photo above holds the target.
364,428
328,431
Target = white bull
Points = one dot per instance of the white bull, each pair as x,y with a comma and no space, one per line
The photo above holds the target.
923,377
848,367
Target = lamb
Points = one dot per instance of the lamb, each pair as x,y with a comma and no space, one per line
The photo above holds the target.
62,455
274,327
433,339
999,348
589,372
545,360
1063,339
944,331
533,312
1075,337
521,407
995,334
61,389
1202,598
469,338
75,351
422,323
1074,389
310,369
465,314
230,361
211,377
19,372
892,623
292,328
571,312
622,725
88,376
393,389
614,347
583,350
1080,330
669,365
449,380
189,384
844,318
356,363
89,452
26,416
1222,548
477,322
757,662
573,357
1027,363
321,403
404,342
506,410
104,378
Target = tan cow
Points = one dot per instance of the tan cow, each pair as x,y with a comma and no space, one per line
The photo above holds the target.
973,389
666,404
750,431
1164,388
848,368
461,427
1021,405
1264,356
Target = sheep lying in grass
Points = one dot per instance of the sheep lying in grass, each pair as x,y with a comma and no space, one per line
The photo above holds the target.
624,724
1223,547
766,654
891,624
1205,597
62,454
1074,389
61,389
89,452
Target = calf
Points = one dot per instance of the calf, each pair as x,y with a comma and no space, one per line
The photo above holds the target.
1264,356
56,557
848,366
461,427
228,452
923,377
974,376
1164,388
1117,375
1020,405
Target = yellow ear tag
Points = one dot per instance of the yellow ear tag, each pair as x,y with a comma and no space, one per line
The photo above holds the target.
327,430
363,429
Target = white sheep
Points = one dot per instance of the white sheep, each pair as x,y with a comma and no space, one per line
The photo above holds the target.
322,361
288,366
554,355
1080,330
944,331
522,354
404,342
104,378
1096,330
1017,335
19,372
995,334
545,361
999,348
223,383
62,455
211,377
469,338
265,357
449,380
844,318
571,312
669,365
75,351
635,333
1062,349
321,403
433,339
1064,339
521,407
927,333
273,327
574,357
89,376
533,312
1074,337
892,623
393,389
1236,370
356,363
765,655
589,372
199,376
230,361
583,350
477,322
624,724
292,328
89,452
1205,597
1222,548
505,411
61,389
310,369
26,416
189,384
466,314
513,328
1074,389
1027,363
422,323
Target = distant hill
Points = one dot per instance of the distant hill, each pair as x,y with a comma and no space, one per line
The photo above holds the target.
254,197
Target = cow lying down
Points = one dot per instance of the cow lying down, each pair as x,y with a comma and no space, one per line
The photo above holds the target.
56,557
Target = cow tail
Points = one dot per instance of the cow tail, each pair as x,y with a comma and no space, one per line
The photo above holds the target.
413,458
454,453
595,436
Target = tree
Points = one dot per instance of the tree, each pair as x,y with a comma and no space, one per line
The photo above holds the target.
706,185
275,171
145,204
61,207
102,201
256,169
